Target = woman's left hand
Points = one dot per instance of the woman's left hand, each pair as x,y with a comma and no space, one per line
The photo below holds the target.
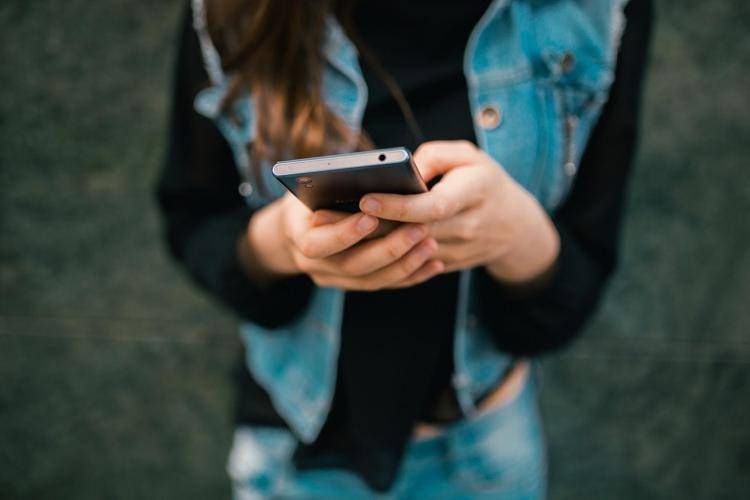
477,213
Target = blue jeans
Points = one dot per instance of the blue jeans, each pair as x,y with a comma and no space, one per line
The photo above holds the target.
498,454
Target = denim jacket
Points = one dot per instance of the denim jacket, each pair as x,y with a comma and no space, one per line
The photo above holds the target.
537,72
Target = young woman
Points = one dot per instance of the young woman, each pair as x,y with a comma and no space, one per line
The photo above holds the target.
399,364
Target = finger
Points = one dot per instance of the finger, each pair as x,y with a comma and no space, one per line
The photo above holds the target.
459,255
376,254
464,226
315,266
428,271
323,217
437,157
449,196
323,241
385,227
404,267
386,277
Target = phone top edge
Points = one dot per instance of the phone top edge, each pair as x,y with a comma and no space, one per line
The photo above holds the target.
343,161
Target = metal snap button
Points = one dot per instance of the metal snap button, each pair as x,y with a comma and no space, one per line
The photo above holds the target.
489,117
567,62
460,380
570,168
245,189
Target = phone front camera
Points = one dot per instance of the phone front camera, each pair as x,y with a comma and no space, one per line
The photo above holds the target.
381,157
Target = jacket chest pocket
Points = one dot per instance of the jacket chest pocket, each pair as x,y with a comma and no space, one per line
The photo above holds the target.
548,92
575,47
510,129
573,102
537,129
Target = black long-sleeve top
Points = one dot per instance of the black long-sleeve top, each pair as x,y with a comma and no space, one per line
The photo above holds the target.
205,215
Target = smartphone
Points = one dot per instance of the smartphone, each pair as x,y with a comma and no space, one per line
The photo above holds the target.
337,182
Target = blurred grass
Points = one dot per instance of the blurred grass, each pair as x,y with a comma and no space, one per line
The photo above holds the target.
113,368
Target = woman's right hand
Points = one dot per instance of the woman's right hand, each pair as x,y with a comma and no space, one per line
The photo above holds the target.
286,238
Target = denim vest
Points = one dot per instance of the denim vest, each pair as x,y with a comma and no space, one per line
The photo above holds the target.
538,73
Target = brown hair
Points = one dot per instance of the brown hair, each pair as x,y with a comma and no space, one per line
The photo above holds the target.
273,48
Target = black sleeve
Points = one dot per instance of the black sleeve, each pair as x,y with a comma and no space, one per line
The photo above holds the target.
588,222
204,214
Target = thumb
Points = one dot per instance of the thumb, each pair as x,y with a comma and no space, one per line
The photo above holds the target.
435,158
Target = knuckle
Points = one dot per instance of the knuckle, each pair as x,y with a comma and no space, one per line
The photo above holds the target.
393,251
442,207
346,267
448,258
351,267
418,278
307,247
402,209
469,230
438,209
452,207
341,238
476,228
465,232
410,265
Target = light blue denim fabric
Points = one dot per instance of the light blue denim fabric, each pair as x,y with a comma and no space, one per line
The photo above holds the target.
498,454
545,66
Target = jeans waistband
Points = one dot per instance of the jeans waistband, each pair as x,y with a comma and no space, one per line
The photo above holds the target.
474,427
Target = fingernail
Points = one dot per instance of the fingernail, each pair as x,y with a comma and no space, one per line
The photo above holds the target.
370,205
416,233
366,223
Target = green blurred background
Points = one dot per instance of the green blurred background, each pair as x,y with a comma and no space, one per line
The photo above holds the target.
114,368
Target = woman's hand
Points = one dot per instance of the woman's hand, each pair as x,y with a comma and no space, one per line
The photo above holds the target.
285,238
477,213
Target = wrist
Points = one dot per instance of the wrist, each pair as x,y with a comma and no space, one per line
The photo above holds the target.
262,249
531,258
